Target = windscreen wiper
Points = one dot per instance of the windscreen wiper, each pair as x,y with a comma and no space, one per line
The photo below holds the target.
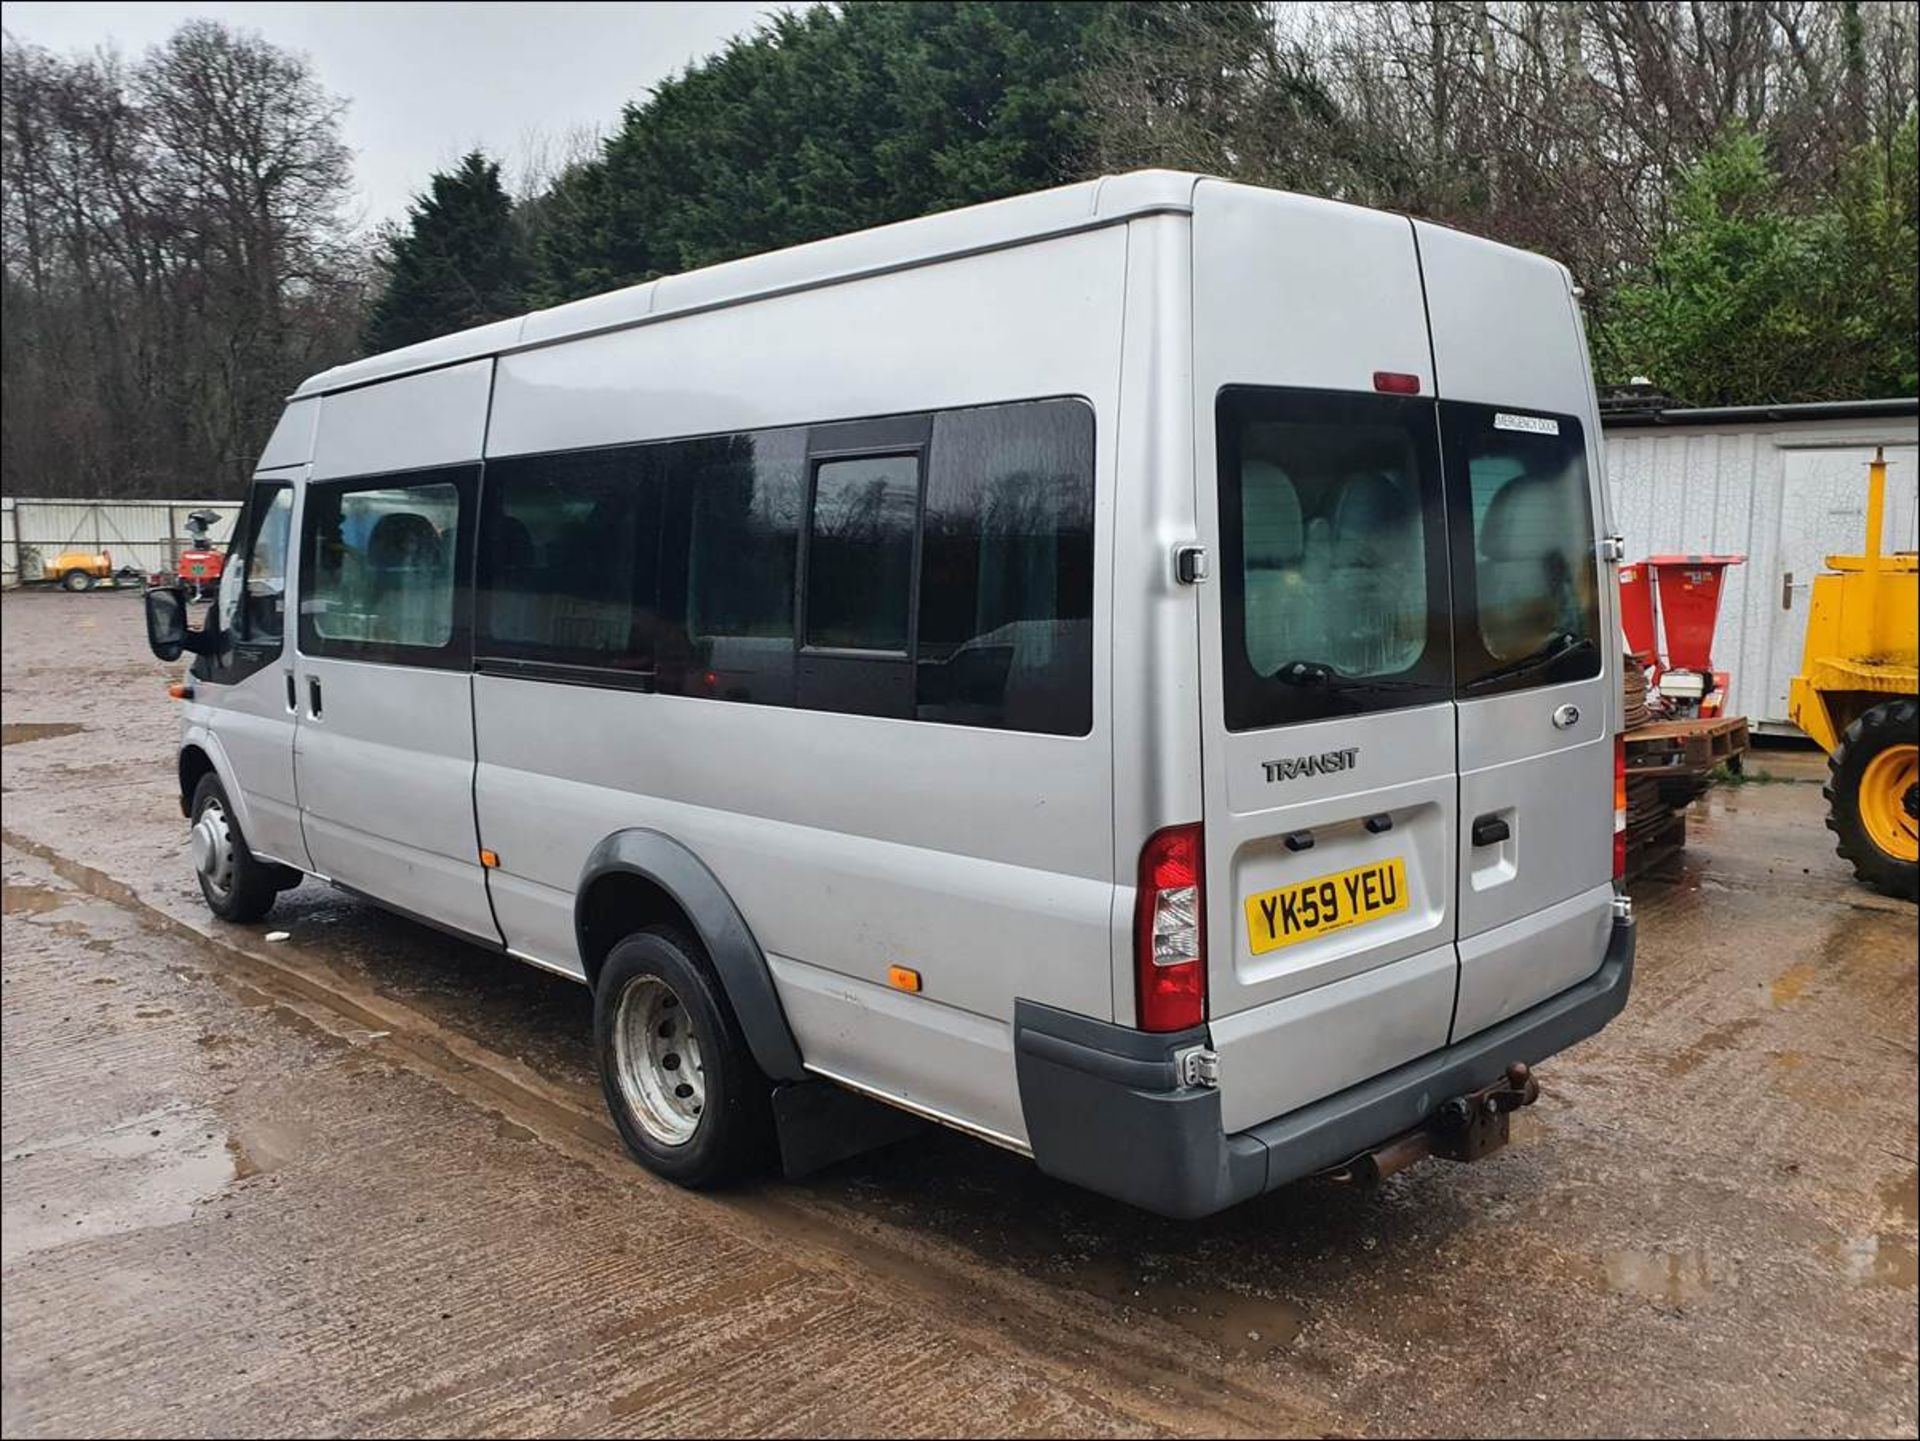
1324,677
1557,648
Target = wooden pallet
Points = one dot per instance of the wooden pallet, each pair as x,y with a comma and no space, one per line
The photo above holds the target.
1691,747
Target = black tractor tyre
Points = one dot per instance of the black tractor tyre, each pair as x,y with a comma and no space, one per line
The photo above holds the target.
1891,723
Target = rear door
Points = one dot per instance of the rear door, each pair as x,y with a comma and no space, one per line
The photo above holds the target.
1535,624
1329,776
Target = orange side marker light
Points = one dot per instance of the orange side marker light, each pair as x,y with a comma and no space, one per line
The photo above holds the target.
903,978
180,690
489,859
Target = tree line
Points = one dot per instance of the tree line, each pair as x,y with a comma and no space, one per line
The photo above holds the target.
1734,186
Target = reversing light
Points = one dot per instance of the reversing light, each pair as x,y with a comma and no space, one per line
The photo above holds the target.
1169,919
1396,382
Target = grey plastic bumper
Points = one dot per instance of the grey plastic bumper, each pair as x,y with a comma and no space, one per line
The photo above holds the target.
1105,1109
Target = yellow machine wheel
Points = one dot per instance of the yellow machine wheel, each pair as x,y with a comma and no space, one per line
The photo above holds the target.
1886,801
1873,795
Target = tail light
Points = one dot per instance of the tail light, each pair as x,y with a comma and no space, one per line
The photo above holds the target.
1619,805
1170,932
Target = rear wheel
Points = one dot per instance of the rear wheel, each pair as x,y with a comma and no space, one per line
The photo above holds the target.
238,886
77,579
684,1091
1873,796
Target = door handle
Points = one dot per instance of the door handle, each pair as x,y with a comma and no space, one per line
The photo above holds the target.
1490,830
293,695
313,696
1786,591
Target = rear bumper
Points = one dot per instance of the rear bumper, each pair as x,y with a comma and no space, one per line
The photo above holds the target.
1104,1107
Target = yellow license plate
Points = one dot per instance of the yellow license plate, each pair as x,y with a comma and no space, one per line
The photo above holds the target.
1326,903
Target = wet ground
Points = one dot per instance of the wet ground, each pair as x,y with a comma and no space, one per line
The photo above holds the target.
359,1180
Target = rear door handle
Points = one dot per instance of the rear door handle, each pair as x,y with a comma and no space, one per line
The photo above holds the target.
313,696
1490,830
293,695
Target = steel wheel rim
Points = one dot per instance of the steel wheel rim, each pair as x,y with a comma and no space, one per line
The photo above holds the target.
213,848
657,1063
1885,787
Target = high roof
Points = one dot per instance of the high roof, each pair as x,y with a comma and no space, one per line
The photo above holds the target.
952,233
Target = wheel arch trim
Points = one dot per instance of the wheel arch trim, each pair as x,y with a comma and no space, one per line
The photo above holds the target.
738,961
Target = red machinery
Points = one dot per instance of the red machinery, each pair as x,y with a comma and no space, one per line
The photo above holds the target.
1688,591
200,563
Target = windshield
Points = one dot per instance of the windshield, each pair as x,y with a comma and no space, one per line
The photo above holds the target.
1333,555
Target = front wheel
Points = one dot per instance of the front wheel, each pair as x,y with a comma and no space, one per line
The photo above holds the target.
238,886
77,579
684,1091
1873,796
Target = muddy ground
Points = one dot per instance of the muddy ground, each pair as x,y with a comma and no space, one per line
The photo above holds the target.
359,1180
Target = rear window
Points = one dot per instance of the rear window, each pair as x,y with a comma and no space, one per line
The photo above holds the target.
1333,540
1526,576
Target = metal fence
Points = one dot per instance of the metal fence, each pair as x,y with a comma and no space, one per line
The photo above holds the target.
148,534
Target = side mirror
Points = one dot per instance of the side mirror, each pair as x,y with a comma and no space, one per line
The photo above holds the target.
166,607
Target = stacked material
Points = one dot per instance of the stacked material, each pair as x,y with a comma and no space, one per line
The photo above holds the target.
1636,690
1670,764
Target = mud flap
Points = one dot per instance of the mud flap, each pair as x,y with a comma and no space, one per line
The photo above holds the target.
819,1123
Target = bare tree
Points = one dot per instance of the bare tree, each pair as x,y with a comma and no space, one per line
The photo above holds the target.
174,260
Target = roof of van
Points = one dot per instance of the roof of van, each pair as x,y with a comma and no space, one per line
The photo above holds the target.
944,236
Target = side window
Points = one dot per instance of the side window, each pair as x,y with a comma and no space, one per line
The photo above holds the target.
1006,572
1333,568
384,574
860,553
1528,611
729,558
253,584
570,566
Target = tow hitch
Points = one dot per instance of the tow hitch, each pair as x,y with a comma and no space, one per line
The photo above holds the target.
1462,1129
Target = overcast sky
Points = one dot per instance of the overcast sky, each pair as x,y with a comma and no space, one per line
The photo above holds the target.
428,82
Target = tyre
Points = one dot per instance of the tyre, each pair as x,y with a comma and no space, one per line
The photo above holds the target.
1872,799
684,1090
237,885
76,579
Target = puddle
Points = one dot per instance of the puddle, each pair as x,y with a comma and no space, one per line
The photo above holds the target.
1674,1276
1240,1326
1788,986
147,1171
23,898
259,1148
1879,1261
14,733
1716,1041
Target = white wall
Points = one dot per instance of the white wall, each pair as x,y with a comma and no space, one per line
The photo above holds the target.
1785,495
143,533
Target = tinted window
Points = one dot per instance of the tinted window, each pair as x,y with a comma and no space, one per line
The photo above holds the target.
1525,562
382,578
571,558
1006,570
860,552
729,562
1333,556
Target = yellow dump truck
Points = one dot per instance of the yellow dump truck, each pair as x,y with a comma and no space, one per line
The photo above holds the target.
1858,695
